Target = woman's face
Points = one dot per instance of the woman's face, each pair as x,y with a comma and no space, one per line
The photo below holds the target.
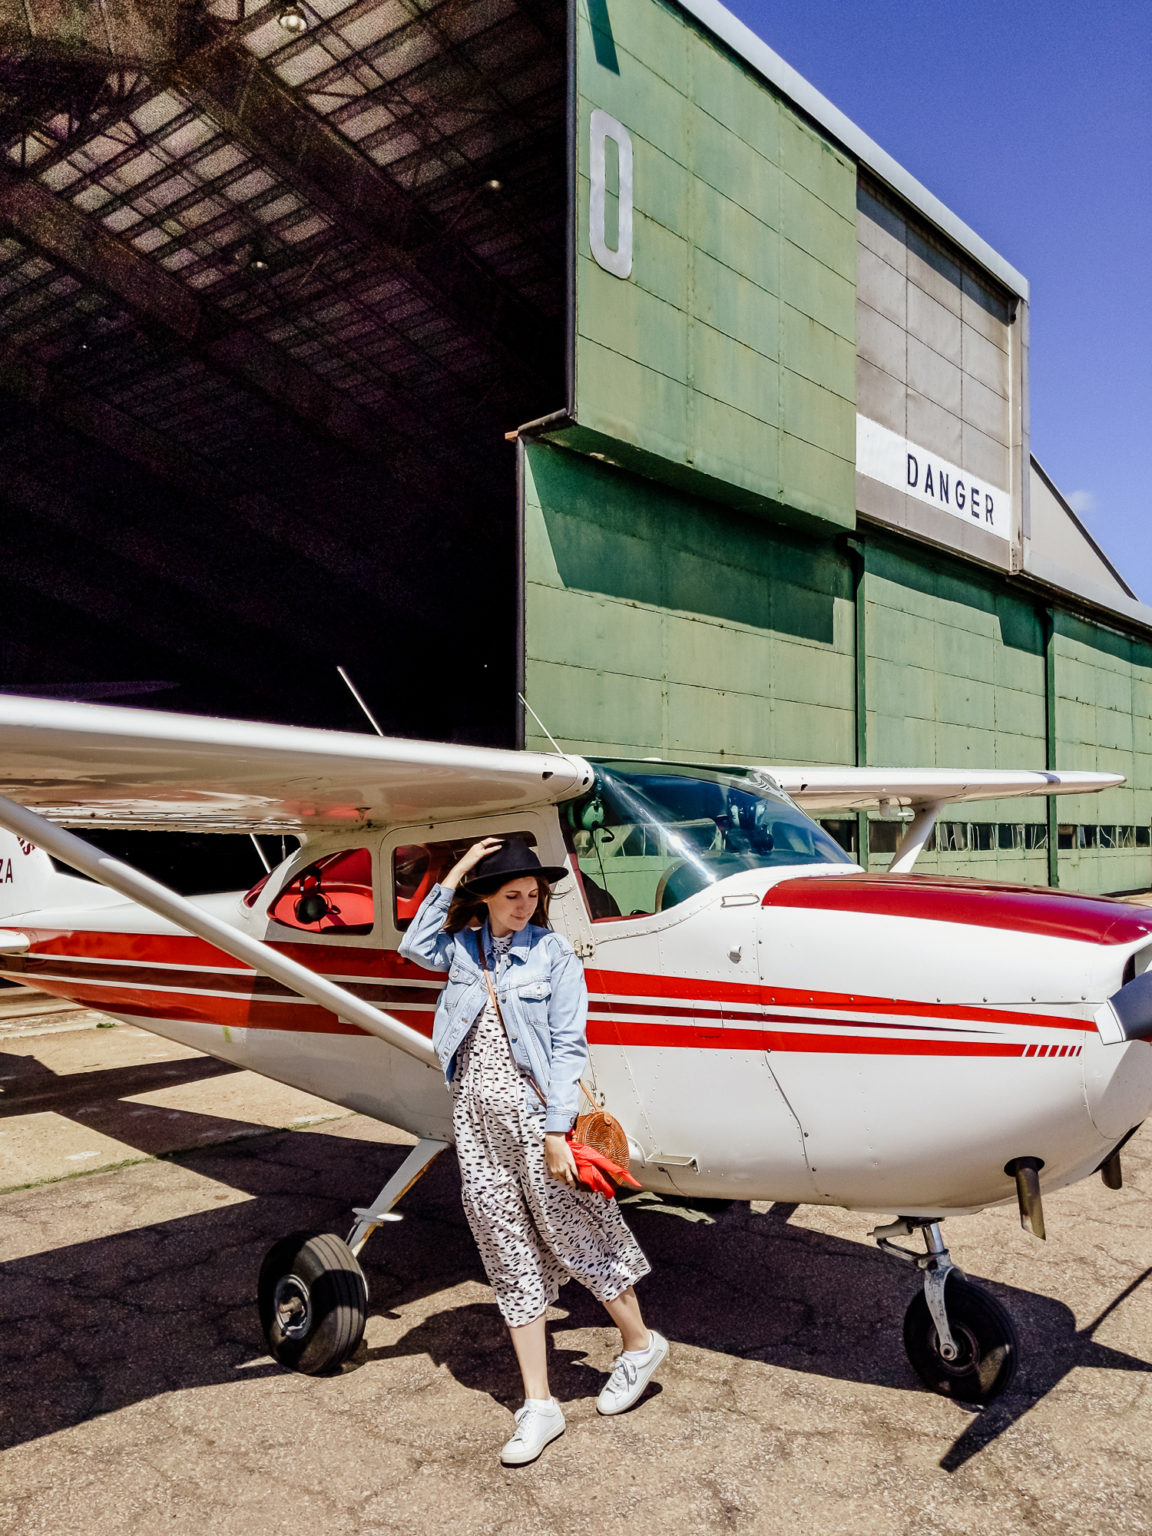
511,907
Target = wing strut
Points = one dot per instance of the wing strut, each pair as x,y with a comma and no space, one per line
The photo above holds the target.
129,882
916,835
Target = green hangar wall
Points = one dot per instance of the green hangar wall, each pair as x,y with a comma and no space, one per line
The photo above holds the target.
730,351
724,553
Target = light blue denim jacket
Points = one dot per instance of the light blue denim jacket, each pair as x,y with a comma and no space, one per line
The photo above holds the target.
542,993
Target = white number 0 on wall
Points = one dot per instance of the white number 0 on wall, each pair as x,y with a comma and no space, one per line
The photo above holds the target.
601,127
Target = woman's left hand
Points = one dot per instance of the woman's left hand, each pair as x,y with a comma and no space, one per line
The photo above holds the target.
558,1159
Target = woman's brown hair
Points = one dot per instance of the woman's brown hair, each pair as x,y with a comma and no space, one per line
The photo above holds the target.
467,910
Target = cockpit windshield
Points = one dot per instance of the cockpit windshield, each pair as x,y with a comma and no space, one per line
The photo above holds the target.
646,837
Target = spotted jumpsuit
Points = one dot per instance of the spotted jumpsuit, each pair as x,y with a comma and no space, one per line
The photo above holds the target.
533,1232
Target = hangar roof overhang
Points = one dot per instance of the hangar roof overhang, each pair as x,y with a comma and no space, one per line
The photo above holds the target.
756,53
352,221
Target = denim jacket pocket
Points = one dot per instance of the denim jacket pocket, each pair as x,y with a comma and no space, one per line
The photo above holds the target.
535,991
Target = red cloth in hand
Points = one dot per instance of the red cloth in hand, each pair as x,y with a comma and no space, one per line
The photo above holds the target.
597,1172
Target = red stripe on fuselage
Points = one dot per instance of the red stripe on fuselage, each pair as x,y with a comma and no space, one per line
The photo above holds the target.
610,986
201,1007
1053,914
689,1037
37,969
187,952
178,977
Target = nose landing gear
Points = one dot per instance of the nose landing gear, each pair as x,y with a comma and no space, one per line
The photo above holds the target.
959,1339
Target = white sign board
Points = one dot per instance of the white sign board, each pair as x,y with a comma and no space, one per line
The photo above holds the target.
884,455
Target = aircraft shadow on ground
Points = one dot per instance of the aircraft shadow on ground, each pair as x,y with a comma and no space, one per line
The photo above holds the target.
95,1326
30,1085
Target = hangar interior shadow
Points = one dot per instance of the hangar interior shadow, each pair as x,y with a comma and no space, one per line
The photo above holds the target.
269,303
96,1326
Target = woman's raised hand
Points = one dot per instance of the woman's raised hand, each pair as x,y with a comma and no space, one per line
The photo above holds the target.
469,861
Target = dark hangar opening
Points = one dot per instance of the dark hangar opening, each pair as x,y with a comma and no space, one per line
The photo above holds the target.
275,280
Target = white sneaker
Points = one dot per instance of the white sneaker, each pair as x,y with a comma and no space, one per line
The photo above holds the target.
535,1428
630,1375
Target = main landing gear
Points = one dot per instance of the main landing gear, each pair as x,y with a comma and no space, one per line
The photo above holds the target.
960,1340
312,1294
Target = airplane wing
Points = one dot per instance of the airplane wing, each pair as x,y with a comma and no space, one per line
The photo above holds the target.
98,765
818,789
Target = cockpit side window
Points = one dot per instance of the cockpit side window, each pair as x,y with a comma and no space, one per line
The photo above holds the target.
333,895
644,838
417,867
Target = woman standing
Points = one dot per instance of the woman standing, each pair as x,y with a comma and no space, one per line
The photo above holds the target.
510,1031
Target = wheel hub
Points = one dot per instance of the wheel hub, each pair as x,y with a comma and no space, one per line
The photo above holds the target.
965,1356
292,1307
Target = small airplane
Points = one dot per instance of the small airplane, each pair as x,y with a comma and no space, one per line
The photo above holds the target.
767,1021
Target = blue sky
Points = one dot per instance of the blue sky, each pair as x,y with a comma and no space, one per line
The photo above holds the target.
1033,122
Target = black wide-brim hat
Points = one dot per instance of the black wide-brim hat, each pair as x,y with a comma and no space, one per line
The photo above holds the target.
512,860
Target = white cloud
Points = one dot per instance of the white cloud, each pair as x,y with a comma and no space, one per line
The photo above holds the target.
1083,503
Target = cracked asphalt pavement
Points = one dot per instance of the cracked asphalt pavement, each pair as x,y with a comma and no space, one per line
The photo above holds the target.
145,1183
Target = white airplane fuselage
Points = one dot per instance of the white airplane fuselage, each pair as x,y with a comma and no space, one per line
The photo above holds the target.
799,1034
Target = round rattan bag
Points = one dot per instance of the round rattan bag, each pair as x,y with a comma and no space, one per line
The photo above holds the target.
598,1129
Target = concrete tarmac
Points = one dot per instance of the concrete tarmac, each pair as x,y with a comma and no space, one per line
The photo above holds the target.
145,1183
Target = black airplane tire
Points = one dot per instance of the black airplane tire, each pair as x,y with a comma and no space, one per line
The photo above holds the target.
985,1336
313,1302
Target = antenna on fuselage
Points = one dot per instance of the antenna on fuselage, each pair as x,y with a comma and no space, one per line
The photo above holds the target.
355,692
541,724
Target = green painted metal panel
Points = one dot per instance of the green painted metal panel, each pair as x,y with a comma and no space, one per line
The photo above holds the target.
633,323
958,673
819,292
660,623
1103,689
810,350
737,307
811,161
740,101
822,479
665,271
728,353
733,373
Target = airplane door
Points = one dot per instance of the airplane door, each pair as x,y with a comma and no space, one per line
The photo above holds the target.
680,994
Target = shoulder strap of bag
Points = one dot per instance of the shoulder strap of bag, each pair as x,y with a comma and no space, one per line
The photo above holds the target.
504,1027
